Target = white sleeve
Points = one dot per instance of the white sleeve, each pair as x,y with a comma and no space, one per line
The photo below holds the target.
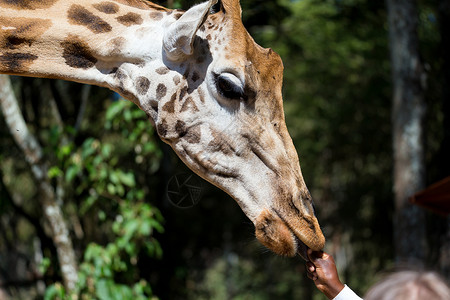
347,294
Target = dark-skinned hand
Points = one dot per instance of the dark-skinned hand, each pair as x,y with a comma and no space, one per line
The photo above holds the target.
321,268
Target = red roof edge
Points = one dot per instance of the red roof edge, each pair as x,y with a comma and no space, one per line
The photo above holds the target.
436,197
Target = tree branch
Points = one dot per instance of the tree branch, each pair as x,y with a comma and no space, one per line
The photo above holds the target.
33,155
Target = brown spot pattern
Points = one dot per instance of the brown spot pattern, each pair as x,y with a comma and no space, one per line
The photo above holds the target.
25,33
107,7
130,19
78,15
154,105
177,16
117,45
162,70
189,103
77,53
176,80
201,94
162,129
221,144
120,75
142,85
141,4
156,15
180,128
26,4
193,135
161,91
170,105
183,92
16,62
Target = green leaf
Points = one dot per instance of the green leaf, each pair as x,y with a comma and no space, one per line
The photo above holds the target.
54,172
92,251
97,160
114,110
123,292
102,215
155,224
114,177
43,266
71,172
145,228
127,178
89,147
55,291
87,204
106,150
120,190
103,289
65,150
111,188
131,226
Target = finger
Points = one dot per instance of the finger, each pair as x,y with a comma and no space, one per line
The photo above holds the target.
310,267
314,255
311,276
309,252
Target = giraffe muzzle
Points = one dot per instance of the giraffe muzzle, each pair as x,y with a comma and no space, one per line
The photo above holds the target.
289,236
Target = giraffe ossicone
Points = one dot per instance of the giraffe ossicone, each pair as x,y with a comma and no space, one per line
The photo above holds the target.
212,93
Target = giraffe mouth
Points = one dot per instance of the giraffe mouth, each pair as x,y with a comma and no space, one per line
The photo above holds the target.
302,249
287,238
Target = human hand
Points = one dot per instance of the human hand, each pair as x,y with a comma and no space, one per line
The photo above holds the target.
322,269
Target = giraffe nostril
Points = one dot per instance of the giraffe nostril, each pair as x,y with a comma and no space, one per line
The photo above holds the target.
309,204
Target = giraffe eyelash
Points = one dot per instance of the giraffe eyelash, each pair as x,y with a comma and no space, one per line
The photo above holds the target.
229,86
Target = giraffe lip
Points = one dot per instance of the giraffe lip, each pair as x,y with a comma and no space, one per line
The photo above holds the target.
302,249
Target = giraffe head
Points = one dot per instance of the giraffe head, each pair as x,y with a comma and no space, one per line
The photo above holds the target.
212,92
225,120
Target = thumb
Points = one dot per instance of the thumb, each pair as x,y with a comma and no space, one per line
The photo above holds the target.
313,256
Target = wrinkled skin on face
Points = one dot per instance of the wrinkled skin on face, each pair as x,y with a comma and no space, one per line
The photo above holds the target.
236,137
213,94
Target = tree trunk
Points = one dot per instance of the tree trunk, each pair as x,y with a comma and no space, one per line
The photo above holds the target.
408,113
33,154
444,158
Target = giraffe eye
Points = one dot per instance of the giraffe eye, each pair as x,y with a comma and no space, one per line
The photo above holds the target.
215,8
229,86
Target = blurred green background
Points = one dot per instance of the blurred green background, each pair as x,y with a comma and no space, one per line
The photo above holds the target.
112,171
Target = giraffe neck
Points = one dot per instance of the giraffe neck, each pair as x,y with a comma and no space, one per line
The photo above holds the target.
105,43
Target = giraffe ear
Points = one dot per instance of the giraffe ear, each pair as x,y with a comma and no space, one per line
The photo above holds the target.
233,7
179,37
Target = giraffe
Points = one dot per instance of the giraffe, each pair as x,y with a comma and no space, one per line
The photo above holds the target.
211,92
